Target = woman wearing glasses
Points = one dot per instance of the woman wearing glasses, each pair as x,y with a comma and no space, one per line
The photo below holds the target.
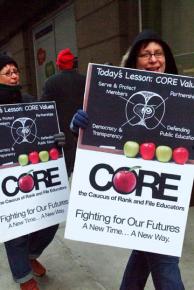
149,52
9,81
22,252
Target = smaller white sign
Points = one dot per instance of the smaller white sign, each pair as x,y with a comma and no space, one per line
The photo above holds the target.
33,178
46,205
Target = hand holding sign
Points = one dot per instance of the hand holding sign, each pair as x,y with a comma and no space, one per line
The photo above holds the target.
80,120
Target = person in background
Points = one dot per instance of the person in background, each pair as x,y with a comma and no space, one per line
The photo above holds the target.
148,52
23,251
66,88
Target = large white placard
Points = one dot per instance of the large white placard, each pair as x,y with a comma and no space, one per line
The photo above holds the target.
131,202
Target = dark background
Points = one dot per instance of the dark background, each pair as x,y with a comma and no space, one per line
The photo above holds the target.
46,126
112,110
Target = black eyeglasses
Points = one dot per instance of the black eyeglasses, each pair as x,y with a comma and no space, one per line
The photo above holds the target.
148,55
10,73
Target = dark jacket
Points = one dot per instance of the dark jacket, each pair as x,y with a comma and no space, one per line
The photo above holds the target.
13,95
66,88
148,35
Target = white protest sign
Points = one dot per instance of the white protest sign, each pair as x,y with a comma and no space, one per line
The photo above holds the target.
130,105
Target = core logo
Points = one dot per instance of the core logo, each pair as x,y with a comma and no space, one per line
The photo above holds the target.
125,181
26,182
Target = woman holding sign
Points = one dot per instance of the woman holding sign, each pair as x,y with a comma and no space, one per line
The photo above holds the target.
148,52
23,251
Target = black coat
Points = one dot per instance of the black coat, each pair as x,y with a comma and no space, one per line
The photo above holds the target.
12,95
66,88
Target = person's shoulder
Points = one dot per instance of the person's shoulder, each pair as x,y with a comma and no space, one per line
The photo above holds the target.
53,77
52,81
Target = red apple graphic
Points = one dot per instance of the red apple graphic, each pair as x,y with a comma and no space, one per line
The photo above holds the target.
124,181
26,182
180,155
147,150
33,157
54,153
